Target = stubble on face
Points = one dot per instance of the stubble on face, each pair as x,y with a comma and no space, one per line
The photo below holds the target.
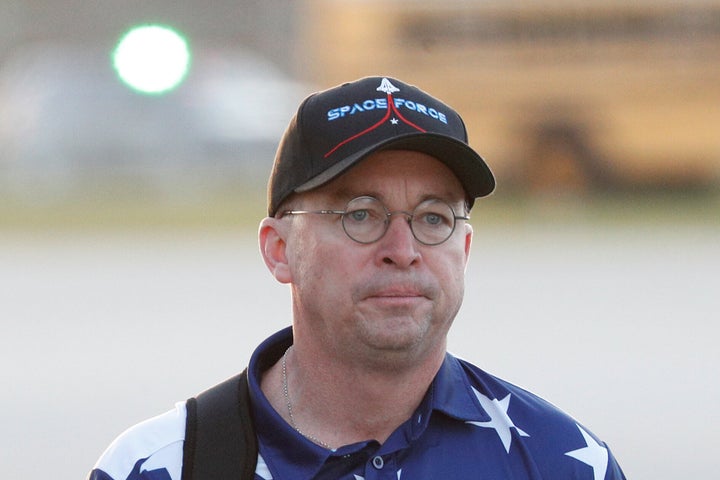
355,303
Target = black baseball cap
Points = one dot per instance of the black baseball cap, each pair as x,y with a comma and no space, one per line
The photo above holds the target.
337,128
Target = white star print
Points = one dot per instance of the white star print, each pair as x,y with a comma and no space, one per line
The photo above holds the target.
499,419
394,121
593,454
262,470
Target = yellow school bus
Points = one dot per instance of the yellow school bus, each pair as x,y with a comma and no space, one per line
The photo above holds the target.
558,95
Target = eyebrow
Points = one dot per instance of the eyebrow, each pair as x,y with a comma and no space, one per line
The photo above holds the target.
346,194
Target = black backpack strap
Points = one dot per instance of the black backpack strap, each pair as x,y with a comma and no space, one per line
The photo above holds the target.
220,441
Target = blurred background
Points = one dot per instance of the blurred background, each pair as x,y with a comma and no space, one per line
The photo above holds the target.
129,273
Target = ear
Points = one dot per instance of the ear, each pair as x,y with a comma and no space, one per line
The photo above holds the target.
272,238
468,241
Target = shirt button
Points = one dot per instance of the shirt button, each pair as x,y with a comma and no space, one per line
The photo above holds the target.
378,462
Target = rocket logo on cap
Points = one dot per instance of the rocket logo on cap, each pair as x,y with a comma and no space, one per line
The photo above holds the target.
387,87
390,104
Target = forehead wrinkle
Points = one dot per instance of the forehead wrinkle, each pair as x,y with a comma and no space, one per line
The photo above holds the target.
414,199
398,183
346,193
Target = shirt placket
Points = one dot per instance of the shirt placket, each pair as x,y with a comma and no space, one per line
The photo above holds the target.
382,467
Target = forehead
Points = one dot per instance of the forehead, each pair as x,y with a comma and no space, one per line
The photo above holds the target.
398,172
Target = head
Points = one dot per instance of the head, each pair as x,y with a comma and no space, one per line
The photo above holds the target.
389,298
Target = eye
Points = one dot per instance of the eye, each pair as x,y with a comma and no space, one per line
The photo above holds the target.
434,214
433,219
358,215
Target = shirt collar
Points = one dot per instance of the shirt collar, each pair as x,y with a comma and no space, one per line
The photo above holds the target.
453,395
450,394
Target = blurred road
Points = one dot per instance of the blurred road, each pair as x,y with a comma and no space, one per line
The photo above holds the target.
616,326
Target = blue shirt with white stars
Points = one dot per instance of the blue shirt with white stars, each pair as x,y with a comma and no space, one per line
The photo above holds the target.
470,425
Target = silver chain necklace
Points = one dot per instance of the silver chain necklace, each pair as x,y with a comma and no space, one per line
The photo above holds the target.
289,404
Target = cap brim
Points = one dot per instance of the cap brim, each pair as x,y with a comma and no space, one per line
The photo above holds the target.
470,168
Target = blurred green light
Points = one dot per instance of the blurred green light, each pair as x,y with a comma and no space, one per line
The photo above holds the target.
152,59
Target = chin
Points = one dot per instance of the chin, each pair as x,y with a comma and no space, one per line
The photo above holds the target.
397,337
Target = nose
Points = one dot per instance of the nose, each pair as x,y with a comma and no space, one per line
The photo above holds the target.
398,246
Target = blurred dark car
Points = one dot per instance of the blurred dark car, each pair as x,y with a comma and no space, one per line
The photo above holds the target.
66,119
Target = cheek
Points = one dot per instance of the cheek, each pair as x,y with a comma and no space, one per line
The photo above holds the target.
453,282
321,266
450,273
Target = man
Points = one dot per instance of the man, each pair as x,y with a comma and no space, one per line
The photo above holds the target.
367,222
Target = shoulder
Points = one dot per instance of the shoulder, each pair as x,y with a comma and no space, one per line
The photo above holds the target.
510,404
486,385
155,445
555,440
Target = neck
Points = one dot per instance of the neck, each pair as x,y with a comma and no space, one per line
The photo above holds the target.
334,403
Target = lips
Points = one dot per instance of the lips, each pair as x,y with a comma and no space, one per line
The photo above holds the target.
398,294
390,290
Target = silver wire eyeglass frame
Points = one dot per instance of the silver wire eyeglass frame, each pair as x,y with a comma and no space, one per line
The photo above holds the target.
366,219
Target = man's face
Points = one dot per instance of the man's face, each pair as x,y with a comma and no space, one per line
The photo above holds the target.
387,302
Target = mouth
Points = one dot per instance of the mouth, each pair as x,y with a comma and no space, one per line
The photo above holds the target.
398,292
395,304
396,295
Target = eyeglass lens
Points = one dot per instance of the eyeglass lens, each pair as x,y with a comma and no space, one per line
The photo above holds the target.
366,219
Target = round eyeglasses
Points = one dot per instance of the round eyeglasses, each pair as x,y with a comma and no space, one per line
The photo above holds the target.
366,219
